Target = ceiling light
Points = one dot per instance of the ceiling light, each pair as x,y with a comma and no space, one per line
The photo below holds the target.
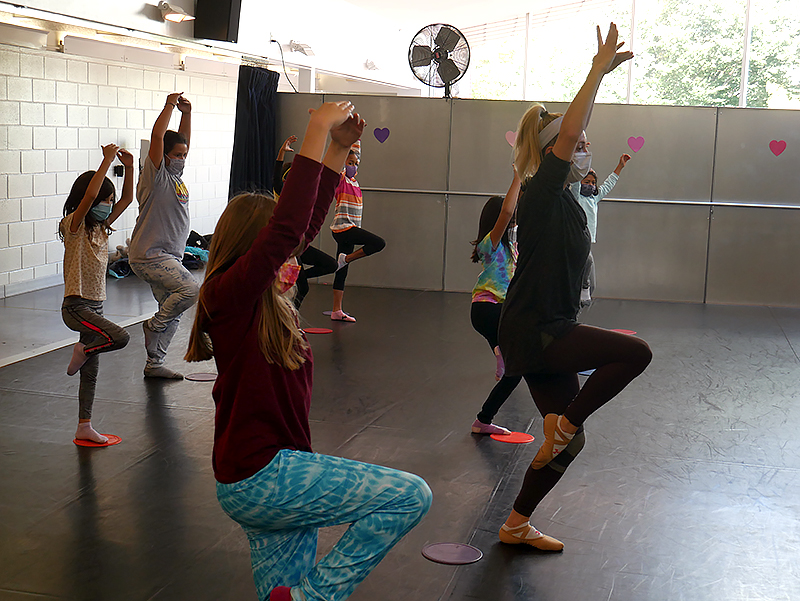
173,13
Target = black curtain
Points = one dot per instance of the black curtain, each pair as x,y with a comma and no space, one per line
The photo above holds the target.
254,147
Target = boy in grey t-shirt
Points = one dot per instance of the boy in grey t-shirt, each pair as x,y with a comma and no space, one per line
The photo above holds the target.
159,238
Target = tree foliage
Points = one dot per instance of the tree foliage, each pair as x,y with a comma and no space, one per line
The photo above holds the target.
688,52
774,53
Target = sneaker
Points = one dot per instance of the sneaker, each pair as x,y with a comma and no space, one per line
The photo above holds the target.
341,261
526,534
478,427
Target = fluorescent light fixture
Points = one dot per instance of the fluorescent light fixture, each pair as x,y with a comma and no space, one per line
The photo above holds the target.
118,52
173,13
27,37
194,64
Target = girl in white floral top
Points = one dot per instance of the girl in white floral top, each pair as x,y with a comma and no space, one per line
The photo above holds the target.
88,214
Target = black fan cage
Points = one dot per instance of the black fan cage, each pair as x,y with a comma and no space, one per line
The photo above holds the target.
438,55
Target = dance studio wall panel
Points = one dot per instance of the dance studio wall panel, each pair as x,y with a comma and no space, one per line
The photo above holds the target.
55,112
676,161
414,155
748,170
651,251
293,118
753,256
480,160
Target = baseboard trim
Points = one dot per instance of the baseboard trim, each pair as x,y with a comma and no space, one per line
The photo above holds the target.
31,285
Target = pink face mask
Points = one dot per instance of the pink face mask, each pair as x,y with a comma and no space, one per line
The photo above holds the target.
287,276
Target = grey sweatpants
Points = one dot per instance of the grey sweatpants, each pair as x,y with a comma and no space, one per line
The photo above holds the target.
176,290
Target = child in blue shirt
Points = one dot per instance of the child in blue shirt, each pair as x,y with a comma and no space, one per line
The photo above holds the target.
589,195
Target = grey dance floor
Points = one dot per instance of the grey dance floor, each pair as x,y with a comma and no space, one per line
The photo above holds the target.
687,489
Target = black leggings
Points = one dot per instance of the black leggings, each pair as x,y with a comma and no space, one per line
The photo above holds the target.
485,318
616,358
320,264
346,243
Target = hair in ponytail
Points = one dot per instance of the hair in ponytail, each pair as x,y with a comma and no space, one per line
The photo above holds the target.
527,150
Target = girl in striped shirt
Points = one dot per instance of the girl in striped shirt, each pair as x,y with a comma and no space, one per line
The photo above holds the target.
347,231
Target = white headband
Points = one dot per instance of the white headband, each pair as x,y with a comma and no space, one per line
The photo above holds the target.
550,131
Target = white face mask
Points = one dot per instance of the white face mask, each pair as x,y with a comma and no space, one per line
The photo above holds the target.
579,168
175,166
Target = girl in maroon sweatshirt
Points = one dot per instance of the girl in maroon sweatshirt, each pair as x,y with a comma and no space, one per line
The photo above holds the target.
268,478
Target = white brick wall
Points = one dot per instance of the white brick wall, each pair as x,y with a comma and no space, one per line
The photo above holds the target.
56,111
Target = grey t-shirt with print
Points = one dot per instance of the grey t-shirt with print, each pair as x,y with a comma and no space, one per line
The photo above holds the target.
163,223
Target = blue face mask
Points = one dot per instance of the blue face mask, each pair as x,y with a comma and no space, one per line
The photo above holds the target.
350,171
101,212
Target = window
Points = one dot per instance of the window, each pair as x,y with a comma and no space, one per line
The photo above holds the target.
690,52
774,55
563,43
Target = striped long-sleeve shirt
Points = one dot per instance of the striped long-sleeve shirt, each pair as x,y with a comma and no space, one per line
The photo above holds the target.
349,205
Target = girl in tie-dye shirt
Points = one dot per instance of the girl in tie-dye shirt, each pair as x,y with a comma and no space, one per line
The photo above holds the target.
494,249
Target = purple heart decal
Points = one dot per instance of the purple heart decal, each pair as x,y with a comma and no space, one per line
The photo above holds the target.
777,146
511,137
381,134
636,143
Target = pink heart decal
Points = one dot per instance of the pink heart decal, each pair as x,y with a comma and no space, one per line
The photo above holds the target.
381,134
636,143
777,146
511,137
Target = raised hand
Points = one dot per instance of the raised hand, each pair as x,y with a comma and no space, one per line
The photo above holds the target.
125,157
623,160
173,98
331,114
607,58
349,132
287,145
184,105
110,151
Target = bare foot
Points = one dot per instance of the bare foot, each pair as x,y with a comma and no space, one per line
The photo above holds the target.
77,360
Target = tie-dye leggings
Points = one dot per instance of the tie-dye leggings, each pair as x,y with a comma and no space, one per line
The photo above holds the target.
281,507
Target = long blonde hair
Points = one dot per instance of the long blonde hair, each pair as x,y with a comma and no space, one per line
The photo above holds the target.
527,149
279,336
